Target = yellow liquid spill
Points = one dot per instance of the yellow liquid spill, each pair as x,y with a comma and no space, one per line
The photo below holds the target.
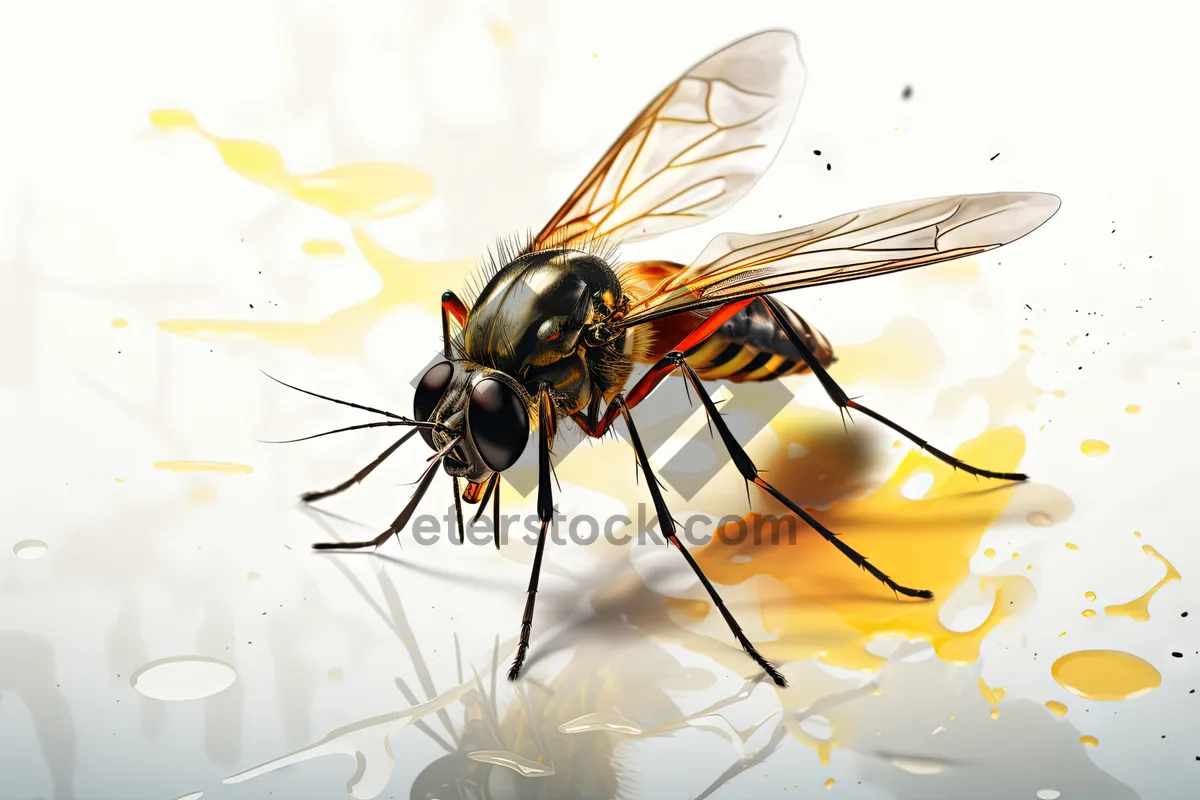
1056,708
1105,675
1090,741
323,248
361,192
990,553
1090,595
501,34
1139,608
904,354
1071,546
1087,612
204,466
343,332
829,782
822,606
1132,408
117,322
995,713
1093,447
992,696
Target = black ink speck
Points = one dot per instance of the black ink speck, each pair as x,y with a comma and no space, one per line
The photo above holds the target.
816,152
907,93
828,167
993,158
1028,306
1177,654
1184,614
252,305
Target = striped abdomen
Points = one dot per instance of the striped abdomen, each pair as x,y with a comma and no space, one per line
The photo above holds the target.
751,346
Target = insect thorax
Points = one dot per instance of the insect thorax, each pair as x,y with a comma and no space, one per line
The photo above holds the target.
543,317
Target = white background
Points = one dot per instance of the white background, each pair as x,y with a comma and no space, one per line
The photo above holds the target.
102,216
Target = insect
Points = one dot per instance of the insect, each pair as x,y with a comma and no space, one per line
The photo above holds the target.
557,329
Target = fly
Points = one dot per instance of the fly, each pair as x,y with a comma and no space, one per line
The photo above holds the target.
559,325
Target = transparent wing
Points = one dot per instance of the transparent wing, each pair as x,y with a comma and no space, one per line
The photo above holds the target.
694,151
871,242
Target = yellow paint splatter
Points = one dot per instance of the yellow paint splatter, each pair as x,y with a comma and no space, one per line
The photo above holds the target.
1016,556
323,248
119,480
989,553
1026,348
204,466
118,322
904,354
995,713
1059,393
826,610
202,494
1133,408
359,192
501,34
1090,595
1137,534
1071,546
1093,447
1090,741
1056,708
829,782
1105,675
1089,612
1139,608
992,696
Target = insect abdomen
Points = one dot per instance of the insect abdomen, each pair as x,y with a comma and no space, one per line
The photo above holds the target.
751,346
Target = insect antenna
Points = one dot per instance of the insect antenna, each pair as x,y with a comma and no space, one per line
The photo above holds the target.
335,400
412,423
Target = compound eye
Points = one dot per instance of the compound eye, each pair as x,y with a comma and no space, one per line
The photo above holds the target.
429,393
498,422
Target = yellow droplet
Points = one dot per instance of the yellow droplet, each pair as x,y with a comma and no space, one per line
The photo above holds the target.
1064,633
1071,546
253,576
1088,612
829,783
990,552
995,713
323,248
1132,409
501,34
1093,447
166,119
992,696
1137,534
204,466
1056,708
335,674
1139,608
1090,741
119,480
1025,348
1105,675
1059,393
202,494
1016,556
118,322
1090,595
896,443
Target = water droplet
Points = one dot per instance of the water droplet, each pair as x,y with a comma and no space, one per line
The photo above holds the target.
1093,447
919,766
30,549
817,727
599,721
1048,794
190,796
518,764
1105,675
183,678
1056,708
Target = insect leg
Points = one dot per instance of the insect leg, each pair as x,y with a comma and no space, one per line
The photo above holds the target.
310,497
545,509
647,383
451,307
400,521
843,401
668,529
745,466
